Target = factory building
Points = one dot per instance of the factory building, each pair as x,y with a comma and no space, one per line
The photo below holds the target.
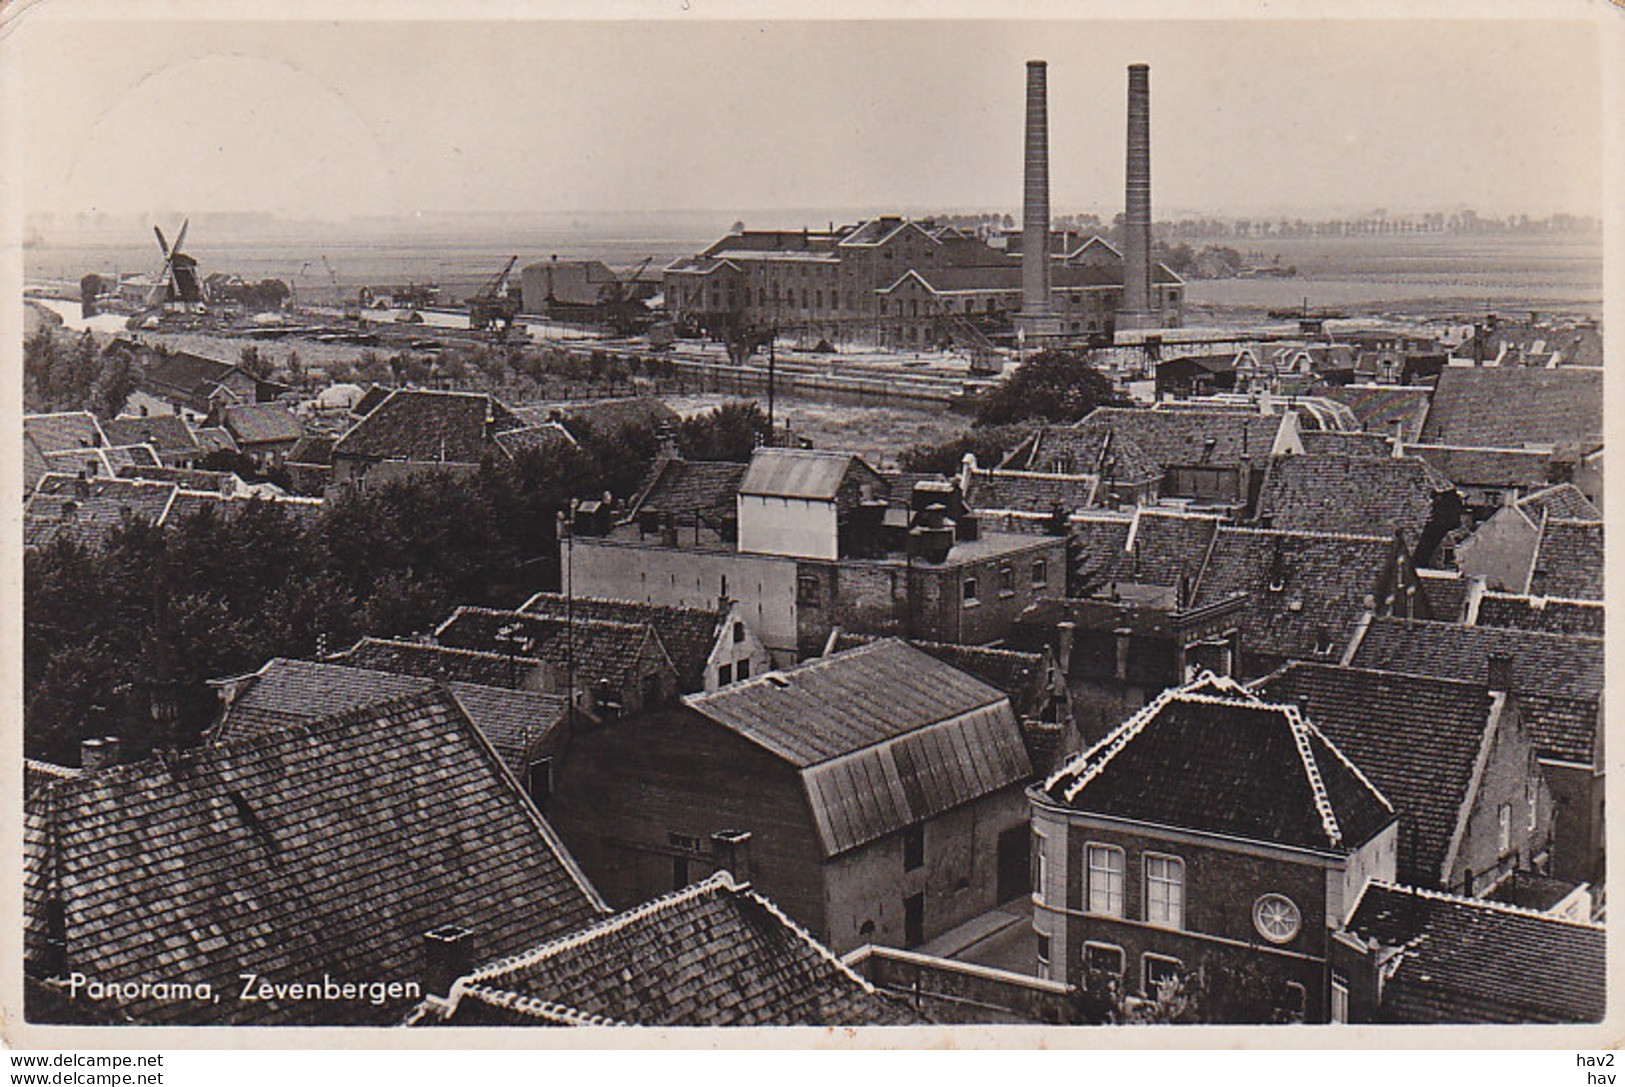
919,284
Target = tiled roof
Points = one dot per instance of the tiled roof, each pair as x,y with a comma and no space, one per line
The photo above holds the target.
603,416
312,449
102,461
1462,960
1158,440
1029,492
519,724
1562,500
192,479
1230,765
884,737
433,661
1341,493
1569,561
1515,406
1324,579
1380,407
253,424
1321,442
180,372
168,434
688,634
425,426
1416,737
682,487
1558,678
541,438
1472,466
1550,614
190,503
1446,592
597,649
90,510
212,439
57,430
1152,547
327,848
714,954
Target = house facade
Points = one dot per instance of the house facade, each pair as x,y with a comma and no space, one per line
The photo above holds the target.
1213,842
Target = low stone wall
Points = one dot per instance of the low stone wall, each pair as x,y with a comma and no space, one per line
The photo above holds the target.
963,990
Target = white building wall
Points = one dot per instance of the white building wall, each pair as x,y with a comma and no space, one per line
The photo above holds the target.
805,528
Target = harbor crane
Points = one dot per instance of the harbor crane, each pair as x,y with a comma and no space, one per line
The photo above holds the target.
497,303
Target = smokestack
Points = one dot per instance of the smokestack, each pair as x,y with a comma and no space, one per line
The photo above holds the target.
1136,311
1035,301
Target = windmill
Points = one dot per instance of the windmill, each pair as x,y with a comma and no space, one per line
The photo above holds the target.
177,281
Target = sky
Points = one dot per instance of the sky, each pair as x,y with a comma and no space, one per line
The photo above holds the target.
387,117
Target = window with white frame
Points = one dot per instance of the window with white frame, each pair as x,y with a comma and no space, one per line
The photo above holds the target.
1103,959
1040,573
1040,866
1043,956
1159,972
1164,890
1340,998
1277,918
1104,870
1504,816
970,589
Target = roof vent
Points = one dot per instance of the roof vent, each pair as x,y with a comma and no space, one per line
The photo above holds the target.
777,680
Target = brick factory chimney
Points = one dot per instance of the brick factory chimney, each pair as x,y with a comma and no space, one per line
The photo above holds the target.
1136,308
1035,318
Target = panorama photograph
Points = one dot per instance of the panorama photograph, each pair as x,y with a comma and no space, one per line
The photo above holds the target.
890,524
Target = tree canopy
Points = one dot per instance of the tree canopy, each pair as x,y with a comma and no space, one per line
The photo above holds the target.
1053,386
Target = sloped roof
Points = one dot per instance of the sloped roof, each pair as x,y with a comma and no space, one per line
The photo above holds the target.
1569,560
798,473
1379,407
683,487
1342,493
884,737
1558,678
598,649
432,661
1020,676
287,854
421,425
58,430
90,510
253,424
688,634
519,724
1465,960
542,437
1029,492
312,449
212,439
1160,440
1561,500
169,434
1446,592
1515,406
1322,442
714,954
1324,578
1229,765
1473,466
604,416
192,479
1551,614
1416,737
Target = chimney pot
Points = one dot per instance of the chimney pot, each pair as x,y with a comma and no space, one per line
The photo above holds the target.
448,954
92,754
730,850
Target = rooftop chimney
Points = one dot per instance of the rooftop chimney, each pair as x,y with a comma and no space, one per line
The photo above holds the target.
730,850
1500,673
1035,195
1136,310
92,754
448,954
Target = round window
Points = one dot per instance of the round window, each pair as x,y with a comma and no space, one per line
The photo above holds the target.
1276,918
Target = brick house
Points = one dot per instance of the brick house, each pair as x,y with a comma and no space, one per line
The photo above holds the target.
1454,758
882,790
1557,680
1212,833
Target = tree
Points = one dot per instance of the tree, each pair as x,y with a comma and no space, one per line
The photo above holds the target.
730,431
114,384
988,443
251,360
1054,386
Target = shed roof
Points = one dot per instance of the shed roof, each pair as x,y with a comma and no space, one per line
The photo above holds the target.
799,473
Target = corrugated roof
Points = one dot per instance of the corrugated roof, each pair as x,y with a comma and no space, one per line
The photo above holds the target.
796,473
